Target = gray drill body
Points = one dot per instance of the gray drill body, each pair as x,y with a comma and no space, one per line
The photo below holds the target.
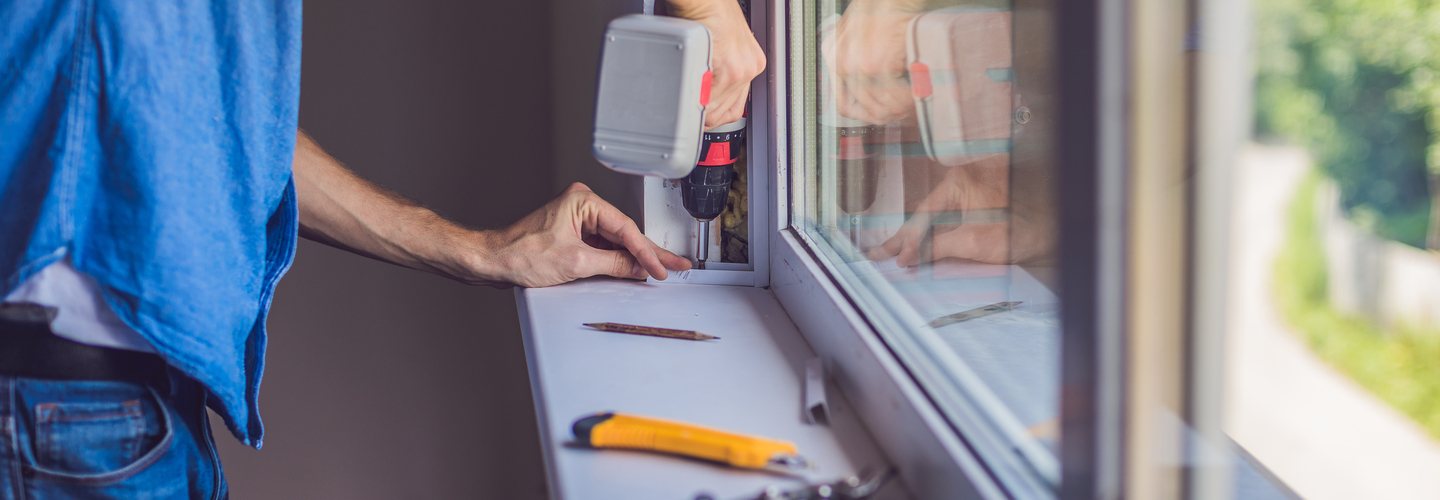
650,113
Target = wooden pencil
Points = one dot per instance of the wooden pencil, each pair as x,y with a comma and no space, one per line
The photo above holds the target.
669,333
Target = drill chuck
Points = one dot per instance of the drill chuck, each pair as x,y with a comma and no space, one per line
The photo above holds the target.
705,190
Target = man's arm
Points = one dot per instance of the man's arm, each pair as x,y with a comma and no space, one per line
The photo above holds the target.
547,247
736,58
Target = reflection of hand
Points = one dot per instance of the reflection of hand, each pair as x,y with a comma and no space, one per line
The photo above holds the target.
866,57
575,236
735,57
981,185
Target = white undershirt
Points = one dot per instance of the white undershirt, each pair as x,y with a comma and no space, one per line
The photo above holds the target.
82,315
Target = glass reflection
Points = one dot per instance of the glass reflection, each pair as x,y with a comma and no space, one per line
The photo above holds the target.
931,190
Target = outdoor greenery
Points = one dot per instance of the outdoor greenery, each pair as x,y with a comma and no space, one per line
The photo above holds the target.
1357,82
1402,366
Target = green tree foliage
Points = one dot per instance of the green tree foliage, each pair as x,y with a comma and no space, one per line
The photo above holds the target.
1398,365
1358,83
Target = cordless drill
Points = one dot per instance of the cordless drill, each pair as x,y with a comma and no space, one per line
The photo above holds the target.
706,189
654,84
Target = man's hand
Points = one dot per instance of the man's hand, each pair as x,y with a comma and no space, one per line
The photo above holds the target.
574,236
735,56
983,184
865,53
578,235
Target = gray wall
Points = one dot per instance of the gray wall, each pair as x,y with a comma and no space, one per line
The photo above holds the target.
388,383
576,28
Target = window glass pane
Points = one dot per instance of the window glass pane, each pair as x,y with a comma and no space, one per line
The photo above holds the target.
926,168
1333,346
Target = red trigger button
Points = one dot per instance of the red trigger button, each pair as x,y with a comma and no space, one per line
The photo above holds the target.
920,80
717,155
705,88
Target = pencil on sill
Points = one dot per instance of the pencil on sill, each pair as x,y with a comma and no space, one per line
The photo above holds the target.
669,333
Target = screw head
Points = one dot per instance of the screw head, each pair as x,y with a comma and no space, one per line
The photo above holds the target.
1022,115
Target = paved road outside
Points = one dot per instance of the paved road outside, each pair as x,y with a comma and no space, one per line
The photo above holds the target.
1323,434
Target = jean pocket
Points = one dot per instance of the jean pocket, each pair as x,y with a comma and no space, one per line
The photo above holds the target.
100,441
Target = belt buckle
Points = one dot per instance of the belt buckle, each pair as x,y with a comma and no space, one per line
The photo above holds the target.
27,312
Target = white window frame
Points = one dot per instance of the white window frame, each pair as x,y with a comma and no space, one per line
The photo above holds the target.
1123,125
937,457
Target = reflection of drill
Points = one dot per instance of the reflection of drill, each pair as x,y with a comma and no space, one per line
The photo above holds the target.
856,174
705,190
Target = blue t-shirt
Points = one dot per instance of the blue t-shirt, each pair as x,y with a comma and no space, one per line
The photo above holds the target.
151,143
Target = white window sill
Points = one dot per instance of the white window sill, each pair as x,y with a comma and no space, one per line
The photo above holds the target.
749,381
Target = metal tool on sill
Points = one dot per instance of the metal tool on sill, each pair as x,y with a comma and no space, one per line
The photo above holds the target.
618,430
858,487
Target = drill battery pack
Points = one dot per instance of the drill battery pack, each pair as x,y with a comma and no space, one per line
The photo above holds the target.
962,83
653,85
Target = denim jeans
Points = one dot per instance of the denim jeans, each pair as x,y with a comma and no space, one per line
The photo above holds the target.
100,439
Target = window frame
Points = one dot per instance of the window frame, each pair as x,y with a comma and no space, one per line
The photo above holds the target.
937,457
905,423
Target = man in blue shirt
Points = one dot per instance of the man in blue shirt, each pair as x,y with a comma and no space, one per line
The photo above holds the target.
153,182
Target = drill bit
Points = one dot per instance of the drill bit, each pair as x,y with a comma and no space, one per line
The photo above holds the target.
702,243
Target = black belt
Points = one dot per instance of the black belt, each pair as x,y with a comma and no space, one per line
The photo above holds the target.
29,349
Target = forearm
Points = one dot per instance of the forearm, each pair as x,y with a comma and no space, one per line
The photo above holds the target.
691,9
340,209
911,6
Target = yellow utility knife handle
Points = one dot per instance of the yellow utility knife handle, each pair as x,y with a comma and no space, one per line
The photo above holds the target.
616,430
